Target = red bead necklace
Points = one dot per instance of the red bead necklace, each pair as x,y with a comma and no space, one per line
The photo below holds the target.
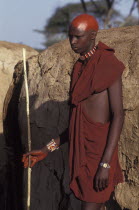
88,54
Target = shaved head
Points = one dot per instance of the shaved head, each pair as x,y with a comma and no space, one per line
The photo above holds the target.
85,22
82,33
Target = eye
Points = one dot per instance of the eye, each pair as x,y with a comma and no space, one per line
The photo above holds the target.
78,37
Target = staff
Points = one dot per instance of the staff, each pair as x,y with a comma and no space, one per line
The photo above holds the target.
28,129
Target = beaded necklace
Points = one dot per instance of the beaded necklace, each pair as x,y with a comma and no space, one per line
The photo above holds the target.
88,54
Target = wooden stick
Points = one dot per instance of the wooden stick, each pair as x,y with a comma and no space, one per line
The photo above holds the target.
28,129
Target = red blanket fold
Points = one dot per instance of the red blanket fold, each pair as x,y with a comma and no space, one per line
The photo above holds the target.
87,143
99,73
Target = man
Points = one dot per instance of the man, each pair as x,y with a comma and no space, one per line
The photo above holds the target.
96,117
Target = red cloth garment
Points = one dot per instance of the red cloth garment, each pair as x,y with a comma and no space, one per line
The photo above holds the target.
88,138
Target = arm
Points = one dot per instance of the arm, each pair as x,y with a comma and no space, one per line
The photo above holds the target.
61,139
37,155
115,99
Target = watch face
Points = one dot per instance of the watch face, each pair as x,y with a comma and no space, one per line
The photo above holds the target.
105,165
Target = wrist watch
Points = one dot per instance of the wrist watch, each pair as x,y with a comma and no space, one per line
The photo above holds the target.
105,165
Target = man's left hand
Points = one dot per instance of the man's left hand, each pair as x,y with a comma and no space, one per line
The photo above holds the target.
101,179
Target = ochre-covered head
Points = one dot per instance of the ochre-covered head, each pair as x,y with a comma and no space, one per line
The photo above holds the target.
85,22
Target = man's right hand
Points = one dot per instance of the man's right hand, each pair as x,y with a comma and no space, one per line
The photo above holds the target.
35,156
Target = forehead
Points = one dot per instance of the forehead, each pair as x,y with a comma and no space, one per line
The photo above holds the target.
80,30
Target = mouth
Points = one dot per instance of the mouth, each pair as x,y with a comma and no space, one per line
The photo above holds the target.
74,48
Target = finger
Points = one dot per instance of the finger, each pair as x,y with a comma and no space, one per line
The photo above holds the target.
26,164
28,153
103,184
97,184
26,161
33,161
24,158
100,184
34,152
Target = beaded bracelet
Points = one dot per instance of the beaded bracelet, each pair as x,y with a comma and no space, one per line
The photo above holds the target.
52,146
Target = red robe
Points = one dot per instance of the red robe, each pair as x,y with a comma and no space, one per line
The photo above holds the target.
87,138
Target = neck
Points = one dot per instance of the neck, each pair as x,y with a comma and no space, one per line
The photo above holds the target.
90,48
88,54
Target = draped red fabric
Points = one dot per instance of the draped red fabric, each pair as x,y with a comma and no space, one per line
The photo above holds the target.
88,138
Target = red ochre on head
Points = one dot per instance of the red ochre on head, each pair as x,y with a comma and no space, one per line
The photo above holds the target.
85,22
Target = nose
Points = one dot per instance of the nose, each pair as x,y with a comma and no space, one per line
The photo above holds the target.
73,40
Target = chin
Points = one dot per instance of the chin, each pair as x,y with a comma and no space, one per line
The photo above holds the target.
76,51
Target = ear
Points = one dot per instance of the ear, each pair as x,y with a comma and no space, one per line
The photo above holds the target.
93,35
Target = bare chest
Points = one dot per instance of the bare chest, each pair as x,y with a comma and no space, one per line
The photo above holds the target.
97,106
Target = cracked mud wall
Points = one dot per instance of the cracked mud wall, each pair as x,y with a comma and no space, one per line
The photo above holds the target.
49,79
10,54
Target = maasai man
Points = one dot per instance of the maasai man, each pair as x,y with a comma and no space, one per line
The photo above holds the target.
96,117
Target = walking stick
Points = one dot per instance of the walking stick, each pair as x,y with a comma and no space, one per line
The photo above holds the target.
28,130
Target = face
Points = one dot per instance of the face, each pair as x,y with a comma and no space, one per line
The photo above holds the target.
81,41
